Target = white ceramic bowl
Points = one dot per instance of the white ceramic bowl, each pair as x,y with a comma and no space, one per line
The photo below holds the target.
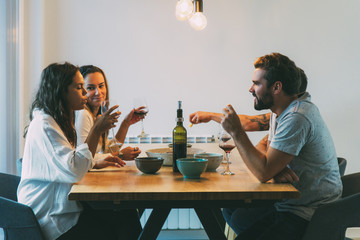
214,160
166,154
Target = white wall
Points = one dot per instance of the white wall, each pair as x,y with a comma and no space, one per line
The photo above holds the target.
3,121
144,50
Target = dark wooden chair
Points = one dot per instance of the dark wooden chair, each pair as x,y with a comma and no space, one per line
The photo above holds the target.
17,220
330,221
342,165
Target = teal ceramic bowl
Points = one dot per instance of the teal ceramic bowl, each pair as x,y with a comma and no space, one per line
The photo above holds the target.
191,167
214,160
149,165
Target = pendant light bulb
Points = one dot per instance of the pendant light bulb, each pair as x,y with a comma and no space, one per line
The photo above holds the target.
184,9
198,21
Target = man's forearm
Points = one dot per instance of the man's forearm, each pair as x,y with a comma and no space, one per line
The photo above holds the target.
253,158
255,123
249,123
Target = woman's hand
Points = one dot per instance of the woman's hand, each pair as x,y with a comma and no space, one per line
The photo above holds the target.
130,153
101,124
132,118
107,120
109,161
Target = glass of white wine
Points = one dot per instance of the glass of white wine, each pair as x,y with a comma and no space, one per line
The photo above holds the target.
113,144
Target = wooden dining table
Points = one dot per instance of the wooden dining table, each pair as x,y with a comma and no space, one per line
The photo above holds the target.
127,187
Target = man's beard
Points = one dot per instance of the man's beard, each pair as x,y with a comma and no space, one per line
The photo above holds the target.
264,102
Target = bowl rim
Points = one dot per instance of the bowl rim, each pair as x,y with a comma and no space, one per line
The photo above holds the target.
203,155
191,160
149,159
154,150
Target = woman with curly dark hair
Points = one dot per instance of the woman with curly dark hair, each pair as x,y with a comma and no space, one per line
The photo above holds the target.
97,88
52,161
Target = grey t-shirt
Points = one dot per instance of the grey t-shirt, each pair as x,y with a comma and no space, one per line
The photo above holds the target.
301,132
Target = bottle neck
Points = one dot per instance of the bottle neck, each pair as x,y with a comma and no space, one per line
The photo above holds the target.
179,121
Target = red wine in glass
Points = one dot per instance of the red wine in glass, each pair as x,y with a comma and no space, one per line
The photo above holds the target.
227,147
227,144
141,112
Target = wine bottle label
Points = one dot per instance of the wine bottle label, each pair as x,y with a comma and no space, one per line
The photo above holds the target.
180,134
180,137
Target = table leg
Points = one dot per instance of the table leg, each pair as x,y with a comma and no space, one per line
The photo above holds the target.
141,211
154,223
211,224
219,217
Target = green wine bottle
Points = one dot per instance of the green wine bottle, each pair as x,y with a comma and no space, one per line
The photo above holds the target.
179,138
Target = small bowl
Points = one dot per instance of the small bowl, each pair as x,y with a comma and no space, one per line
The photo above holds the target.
191,167
214,160
149,165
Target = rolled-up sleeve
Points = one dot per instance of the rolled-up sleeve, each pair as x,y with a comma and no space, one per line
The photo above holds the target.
83,124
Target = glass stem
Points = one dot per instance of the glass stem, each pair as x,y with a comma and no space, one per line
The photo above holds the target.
227,161
114,136
142,127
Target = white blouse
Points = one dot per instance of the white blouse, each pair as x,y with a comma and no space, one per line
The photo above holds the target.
50,167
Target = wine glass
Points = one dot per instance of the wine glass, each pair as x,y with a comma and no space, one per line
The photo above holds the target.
114,145
227,144
141,109
218,137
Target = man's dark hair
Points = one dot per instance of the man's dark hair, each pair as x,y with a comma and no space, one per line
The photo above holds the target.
280,68
304,81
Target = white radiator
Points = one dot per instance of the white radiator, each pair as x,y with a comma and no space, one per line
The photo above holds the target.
183,218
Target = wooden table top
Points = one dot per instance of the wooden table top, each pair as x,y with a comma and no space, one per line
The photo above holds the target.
128,183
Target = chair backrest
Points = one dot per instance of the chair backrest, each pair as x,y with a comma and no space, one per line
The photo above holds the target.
9,184
342,165
18,221
351,184
331,220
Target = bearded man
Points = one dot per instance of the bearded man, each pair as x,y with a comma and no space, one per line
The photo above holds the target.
298,140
